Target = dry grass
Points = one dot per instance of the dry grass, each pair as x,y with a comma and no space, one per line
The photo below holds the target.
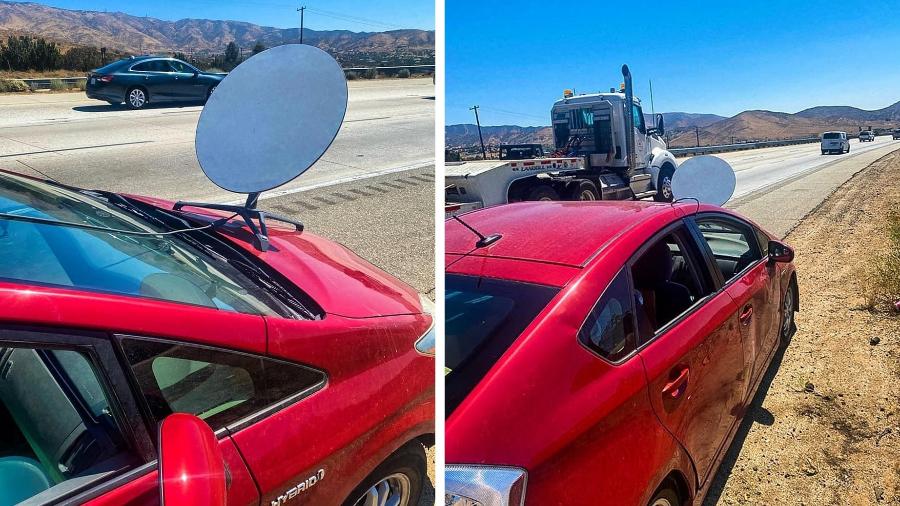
881,280
13,86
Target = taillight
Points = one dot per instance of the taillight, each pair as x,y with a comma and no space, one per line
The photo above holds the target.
105,79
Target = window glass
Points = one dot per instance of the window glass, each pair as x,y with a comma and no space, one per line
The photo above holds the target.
216,385
180,66
609,328
667,282
142,67
638,118
57,424
159,66
732,244
483,318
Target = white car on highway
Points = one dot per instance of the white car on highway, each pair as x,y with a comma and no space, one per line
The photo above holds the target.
866,136
835,142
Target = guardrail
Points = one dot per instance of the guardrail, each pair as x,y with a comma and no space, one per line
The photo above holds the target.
722,148
43,83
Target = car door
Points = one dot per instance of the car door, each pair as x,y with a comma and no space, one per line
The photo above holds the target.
692,351
186,84
747,278
157,78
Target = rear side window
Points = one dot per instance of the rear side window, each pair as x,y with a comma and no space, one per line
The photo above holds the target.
609,328
218,386
732,244
833,135
57,425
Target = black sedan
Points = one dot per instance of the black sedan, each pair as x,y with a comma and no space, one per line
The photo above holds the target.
141,80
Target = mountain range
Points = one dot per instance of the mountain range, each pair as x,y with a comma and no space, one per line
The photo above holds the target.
127,33
683,128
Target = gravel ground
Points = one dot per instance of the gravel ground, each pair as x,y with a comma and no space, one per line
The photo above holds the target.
825,425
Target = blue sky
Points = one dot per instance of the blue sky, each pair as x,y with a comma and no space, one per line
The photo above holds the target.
355,15
711,57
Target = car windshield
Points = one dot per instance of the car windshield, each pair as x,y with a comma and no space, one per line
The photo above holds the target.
109,67
832,135
159,267
483,318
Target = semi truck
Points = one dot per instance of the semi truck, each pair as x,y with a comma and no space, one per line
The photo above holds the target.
603,149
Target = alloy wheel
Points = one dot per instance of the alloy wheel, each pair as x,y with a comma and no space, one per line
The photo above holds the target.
787,320
586,195
391,491
661,501
666,188
137,98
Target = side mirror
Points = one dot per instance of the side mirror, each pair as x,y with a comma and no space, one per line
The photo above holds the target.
191,466
780,252
660,125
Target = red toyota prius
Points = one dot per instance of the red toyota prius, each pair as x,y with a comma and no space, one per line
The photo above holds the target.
604,352
314,368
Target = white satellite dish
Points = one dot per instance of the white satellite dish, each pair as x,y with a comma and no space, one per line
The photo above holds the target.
268,122
271,118
707,179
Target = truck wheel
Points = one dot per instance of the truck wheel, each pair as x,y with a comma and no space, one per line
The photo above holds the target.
583,190
664,185
542,192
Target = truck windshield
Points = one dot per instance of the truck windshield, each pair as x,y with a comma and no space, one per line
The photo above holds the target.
832,135
180,268
484,316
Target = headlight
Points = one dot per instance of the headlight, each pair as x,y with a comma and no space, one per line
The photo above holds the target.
425,344
484,486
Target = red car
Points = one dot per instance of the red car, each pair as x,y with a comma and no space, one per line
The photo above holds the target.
314,368
604,352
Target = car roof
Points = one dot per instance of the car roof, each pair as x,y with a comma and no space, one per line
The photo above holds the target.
563,233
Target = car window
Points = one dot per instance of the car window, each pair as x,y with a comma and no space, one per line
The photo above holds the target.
638,116
142,67
146,266
732,244
832,136
179,66
668,281
218,386
484,316
609,328
58,426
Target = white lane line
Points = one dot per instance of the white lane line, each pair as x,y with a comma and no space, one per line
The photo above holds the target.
280,193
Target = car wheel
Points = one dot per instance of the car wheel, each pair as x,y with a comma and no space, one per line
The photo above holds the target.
542,192
136,98
788,325
397,481
823,152
583,190
664,183
665,497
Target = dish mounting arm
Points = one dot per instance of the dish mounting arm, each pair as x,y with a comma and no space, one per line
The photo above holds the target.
247,212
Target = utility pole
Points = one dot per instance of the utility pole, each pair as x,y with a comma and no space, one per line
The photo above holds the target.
652,109
697,130
478,122
300,10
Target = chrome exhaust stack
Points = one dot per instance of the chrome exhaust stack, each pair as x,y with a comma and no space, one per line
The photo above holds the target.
629,121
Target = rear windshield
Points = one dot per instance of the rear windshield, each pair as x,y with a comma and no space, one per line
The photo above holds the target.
110,67
157,267
832,136
483,318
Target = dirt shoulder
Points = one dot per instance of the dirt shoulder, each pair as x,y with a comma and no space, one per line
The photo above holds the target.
840,442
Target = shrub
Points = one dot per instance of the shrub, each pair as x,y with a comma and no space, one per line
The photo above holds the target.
13,86
403,73
881,281
371,74
81,84
58,85
352,76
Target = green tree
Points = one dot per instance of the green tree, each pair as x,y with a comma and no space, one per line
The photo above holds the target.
82,58
231,55
28,53
259,47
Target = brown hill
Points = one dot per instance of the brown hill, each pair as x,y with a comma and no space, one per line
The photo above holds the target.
116,30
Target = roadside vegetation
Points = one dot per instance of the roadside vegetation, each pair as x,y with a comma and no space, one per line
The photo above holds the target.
881,281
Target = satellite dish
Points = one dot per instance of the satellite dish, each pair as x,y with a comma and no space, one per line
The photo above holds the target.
271,118
708,179
268,122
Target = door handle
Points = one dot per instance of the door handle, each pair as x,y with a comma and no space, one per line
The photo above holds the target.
746,315
677,386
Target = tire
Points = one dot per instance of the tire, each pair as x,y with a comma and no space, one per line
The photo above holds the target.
664,183
136,98
848,148
407,463
788,308
542,192
824,152
583,189
666,496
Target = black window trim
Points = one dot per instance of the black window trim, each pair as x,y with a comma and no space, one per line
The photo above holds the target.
699,303
710,256
238,424
594,308
98,349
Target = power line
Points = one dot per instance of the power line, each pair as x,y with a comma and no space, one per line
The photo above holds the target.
354,19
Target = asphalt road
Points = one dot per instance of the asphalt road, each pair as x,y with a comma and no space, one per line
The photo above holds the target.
389,126
760,169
